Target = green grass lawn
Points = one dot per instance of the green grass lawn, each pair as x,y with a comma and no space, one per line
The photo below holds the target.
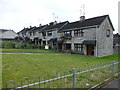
27,51
16,67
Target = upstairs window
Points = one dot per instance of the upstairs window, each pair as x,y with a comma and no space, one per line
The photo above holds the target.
67,33
33,33
30,34
79,33
108,33
44,33
49,33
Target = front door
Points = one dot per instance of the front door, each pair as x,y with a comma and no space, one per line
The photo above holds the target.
90,50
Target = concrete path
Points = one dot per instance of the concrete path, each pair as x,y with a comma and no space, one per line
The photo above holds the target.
115,84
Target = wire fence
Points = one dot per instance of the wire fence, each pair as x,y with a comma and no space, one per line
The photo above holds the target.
85,77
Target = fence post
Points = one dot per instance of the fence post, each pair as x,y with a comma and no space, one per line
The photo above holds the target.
38,78
11,81
113,71
22,82
74,79
44,80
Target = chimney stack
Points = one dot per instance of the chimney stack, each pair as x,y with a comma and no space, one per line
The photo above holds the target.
82,13
40,25
82,18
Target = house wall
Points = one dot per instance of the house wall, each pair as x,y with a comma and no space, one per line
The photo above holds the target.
32,36
20,34
116,49
88,34
28,34
23,34
85,49
104,43
37,34
55,34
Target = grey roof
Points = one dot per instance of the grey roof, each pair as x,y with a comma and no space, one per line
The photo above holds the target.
86,23
33,29
4,30
40,28
25,30
58,26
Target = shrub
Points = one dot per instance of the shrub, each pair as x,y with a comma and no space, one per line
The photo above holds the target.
1,44
42,46
8,45
35,46
29,46
20,46
32,46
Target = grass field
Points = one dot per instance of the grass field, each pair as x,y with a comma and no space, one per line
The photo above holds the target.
16,67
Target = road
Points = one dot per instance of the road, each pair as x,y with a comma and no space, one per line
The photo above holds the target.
115,84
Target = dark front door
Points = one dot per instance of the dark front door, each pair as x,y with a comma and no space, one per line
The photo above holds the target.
67,47
90,50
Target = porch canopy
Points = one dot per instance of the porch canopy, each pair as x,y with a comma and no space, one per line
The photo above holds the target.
89,42
59,42
53,39
37,39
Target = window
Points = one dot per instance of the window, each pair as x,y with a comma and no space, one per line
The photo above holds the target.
78,47
78,32
30,33
108,33
49,33
44,33
33,33
67,33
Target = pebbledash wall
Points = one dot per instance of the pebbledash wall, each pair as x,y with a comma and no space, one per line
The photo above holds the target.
104,43
89,33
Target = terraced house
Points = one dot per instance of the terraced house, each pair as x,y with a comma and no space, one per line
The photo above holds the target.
93,36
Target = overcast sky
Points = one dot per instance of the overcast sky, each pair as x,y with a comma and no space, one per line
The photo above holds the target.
17,14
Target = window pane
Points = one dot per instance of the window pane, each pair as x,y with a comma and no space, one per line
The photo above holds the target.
108,33
78,32
78,47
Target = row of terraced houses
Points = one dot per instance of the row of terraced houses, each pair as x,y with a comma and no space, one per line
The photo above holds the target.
92,37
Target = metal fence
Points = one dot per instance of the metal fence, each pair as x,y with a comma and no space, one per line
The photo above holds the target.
85,77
